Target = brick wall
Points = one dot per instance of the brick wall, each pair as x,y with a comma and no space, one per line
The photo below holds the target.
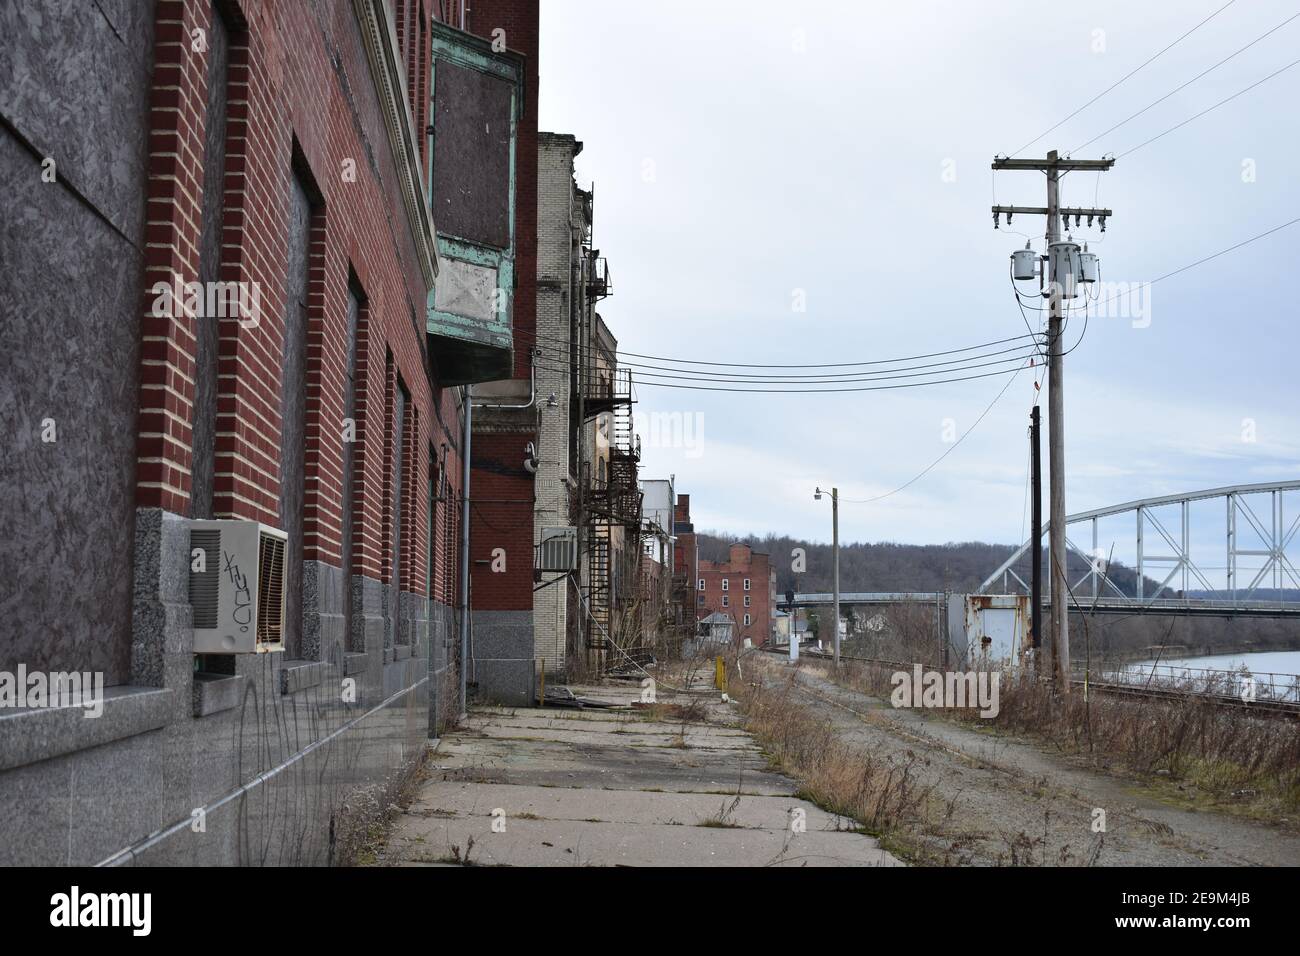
299,92
555,261
519,20
501,490
502,517
743,563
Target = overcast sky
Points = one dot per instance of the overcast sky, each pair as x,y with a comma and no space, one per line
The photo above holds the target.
743,151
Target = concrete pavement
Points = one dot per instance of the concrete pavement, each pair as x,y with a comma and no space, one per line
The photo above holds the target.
628,786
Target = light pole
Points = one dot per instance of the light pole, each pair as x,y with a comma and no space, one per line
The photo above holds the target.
835,562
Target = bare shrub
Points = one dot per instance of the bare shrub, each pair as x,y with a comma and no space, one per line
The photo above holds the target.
882,793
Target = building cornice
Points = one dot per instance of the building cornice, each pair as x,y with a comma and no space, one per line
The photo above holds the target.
379,35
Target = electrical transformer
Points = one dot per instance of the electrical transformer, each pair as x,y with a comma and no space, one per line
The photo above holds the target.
1023,262
1064,268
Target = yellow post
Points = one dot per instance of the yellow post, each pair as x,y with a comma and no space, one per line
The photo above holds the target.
542,699
720,674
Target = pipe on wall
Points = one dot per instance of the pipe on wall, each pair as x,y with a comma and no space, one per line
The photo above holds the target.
464,549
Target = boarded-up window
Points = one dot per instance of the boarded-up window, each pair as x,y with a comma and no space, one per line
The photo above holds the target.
356,300
471,156
293,402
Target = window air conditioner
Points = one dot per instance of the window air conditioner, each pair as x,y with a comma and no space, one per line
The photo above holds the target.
237,587
558,550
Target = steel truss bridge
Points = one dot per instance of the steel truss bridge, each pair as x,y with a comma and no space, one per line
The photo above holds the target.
1275,549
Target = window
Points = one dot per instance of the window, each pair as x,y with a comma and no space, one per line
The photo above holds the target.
746,600
724,601
356,320
699,601
293,396
400,462
701,584
746,584
726,585
747,620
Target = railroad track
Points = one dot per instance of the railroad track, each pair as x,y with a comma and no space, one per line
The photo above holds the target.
1264,707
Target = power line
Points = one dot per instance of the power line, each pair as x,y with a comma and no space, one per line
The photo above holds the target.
795,391
549,362
1188,83
1126,76
816,391
951,448
1221,252
919,376
542,336
1207,110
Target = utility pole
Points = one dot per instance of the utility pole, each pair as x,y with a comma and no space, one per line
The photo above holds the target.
835,558
1036,588
835,564
1061,285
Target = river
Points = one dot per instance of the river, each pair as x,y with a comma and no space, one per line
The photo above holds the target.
1257,662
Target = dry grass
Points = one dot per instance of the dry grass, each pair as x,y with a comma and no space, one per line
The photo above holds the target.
882,794
363,821
1192,749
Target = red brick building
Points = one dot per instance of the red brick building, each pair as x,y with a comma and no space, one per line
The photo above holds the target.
505,407
297,155
740,586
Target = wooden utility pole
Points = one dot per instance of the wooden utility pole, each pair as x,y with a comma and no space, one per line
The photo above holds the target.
1053,166
835,560
1036,587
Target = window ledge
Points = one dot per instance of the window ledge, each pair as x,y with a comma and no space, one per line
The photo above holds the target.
214,693
41,733
299,675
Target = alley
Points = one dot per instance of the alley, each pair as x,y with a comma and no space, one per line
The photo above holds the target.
624,786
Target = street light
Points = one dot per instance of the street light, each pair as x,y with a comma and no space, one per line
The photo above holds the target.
835,561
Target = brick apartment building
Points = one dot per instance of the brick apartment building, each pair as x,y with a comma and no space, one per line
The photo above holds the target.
505,426
305,152
743,586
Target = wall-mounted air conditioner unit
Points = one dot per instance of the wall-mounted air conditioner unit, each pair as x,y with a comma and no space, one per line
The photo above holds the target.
237,587
558,550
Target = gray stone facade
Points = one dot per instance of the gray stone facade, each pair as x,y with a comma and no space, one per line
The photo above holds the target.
253,765
503,663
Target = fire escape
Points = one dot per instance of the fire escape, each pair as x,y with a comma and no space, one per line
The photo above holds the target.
612,515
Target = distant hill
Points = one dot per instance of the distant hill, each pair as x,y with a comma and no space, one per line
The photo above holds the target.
887,566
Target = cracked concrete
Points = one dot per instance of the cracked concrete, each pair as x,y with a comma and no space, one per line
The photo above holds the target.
615,788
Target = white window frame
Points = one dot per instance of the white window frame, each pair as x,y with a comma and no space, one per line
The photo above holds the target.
701,584
746,584
724,601
746,600
747,621
726,584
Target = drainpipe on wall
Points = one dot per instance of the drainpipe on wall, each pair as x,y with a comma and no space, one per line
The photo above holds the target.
464,519
532,387
464,551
